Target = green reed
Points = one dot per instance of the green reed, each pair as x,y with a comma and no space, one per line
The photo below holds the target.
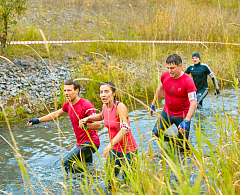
161,171
164,171
135,20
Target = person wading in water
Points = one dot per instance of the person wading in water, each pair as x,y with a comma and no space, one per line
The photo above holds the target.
86,135
180,101
199,72
116,119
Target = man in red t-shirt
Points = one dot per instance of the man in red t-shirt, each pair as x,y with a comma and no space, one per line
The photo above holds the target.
180,99
77,109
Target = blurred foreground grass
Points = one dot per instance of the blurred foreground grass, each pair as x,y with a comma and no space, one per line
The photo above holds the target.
162,172
211,167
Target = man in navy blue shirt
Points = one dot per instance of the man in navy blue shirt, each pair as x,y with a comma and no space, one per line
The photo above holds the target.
199,72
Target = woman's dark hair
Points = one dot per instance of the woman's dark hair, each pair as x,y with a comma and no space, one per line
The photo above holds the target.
75,84
111,85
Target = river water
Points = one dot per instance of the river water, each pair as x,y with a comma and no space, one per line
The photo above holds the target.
39,145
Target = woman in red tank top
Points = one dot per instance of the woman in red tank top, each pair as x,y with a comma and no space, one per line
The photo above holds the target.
116,119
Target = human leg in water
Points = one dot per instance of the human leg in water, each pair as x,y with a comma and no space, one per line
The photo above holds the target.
129,158
82,153
116,161
163,122
183,137
201,94
113,164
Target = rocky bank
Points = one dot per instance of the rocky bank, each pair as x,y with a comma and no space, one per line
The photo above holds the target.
25,83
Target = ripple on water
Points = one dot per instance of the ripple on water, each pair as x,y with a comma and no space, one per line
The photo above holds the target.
40,144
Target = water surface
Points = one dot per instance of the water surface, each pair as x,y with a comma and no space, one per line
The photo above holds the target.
39,144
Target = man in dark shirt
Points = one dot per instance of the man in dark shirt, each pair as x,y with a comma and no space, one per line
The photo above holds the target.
199,72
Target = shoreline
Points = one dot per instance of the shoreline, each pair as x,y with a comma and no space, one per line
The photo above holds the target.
26,87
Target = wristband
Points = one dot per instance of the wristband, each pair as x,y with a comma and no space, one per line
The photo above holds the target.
84,125
125,126
34,121
152,109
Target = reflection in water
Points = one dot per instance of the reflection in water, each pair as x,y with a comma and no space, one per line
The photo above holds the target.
39,145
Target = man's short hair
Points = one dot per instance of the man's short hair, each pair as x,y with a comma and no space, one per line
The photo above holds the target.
75,84
174,59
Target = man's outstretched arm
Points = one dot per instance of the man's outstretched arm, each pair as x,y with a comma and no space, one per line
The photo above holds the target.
49,117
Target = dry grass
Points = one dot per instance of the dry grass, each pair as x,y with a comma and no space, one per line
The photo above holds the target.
133,20
217,173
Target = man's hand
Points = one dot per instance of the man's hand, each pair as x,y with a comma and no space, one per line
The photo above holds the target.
183,126
152,109
33,122
217,92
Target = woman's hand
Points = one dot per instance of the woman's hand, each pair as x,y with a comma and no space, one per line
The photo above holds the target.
82,121
106,151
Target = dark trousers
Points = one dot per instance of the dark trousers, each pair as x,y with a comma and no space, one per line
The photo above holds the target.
201,94
117,159
82,153
165,121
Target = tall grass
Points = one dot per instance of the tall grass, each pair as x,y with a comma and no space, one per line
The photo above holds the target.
162,170
134,20
158,170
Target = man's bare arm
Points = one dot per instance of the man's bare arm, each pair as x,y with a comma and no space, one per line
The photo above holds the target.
158,94
49,117
192,108
52,116
95,125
